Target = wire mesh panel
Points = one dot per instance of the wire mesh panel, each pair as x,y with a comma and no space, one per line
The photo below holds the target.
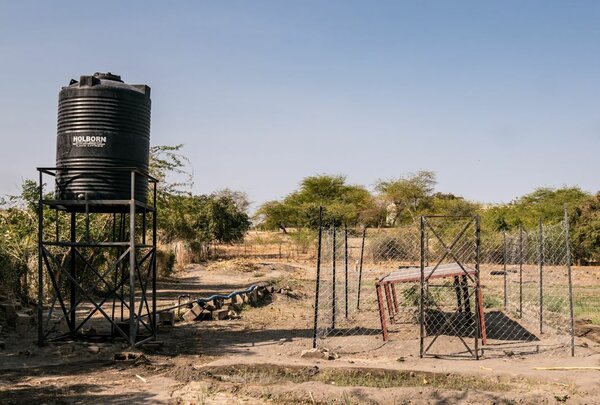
451,315
525,288
392,250
554,294
510,282
446,287
346,315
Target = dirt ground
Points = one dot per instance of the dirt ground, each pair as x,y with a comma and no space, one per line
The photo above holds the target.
257,359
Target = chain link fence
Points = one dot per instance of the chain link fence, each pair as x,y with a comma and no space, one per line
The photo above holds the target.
444,287
346,301
452,316
527,289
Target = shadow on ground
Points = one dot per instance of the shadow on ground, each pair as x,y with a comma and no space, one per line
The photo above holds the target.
69,394
498,326
226,339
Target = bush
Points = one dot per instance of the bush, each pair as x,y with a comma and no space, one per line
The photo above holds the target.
399,246
303,239
165,262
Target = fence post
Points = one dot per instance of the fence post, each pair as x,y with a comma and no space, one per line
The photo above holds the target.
479,326
421,297
426,248
360,266
333,297
504,265
541,264
318,282
346,267
568,245
520,271
40,237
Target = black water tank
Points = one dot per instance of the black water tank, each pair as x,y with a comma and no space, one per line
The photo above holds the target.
103,123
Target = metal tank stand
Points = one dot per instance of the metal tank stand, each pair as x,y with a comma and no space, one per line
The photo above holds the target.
97,265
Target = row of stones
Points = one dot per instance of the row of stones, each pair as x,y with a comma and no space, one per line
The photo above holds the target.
219,309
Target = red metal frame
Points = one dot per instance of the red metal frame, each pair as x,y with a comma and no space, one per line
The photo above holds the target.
411,275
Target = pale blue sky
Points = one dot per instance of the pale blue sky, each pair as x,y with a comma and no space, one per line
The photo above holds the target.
496,97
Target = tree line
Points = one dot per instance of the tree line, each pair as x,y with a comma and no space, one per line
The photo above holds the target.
402,200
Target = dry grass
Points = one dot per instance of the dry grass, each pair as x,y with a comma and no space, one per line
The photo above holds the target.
241,265
270,374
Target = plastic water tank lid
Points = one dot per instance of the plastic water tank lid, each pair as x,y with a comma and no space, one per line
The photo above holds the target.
108,76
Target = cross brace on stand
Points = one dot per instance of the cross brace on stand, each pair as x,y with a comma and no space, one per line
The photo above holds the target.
95,275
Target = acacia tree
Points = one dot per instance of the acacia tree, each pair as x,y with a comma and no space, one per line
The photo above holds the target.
219,217
172,169
450,204
342,203
586,232
239,198
409,194
545,203
276,215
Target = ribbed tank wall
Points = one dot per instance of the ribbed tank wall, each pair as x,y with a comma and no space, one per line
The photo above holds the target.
103,124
